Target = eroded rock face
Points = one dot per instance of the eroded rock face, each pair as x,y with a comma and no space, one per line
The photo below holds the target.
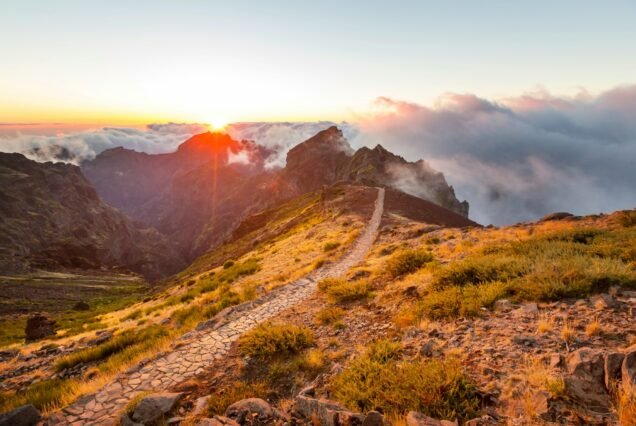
38,327
629,370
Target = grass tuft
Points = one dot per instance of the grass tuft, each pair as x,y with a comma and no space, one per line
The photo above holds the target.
407,262
340,291
270,339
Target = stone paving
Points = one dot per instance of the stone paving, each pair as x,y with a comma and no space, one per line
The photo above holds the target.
201,348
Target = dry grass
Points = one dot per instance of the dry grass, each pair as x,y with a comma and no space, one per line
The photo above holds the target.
545,323
340,291
407,262
329,315
626,406
270,339
594,328
567,332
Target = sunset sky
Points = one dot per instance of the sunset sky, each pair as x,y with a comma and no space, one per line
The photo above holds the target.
133,62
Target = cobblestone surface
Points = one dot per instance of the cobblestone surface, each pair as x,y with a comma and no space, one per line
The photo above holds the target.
201,348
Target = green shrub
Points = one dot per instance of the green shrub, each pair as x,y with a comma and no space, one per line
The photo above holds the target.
330,246
407,262
270,339
228,264
480,269
437,388
461,301
44,395
136,314
340,291
237,270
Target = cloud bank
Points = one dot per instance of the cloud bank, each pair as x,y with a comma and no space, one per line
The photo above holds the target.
514,159
519,158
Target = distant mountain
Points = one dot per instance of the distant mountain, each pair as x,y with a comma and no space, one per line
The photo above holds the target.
327,158
52,218
197,195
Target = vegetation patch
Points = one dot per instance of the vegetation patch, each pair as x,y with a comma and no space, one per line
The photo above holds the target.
329,315
340,291
407,262
379,380
330,246
270,339
223,397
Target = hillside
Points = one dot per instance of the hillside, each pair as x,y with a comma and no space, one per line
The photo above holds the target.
198,195
332,303
52,219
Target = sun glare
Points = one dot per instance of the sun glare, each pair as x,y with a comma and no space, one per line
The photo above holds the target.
217,123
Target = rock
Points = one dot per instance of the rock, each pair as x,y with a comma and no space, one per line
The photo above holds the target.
27,415
124,420
373,419
612,368
556,216
153,407
39,326
603,301
324,412
413,418
554,361
217,421
101,337
200,405
503,305
81,306
528,309
524,339
585,382
430,348
187,386
257,411
485,420
629,370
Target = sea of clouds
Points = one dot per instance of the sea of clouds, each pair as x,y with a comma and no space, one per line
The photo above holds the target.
513,159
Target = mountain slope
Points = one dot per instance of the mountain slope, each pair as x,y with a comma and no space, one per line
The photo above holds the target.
52,218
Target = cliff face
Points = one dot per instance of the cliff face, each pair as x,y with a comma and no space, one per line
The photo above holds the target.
327,158
52,218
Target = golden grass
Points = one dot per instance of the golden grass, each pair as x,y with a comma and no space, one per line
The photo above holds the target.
340,291
271,339
545,323
594,328
568,333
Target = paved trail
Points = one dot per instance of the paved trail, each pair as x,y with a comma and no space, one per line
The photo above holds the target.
202,348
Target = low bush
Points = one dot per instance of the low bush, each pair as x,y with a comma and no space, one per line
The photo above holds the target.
627,218
329,315
407,262
340,291
461,301
270,339
480,269
381,381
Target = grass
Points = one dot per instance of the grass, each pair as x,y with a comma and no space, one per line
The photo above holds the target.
117,344
44,395
329,315
379,380
407,262
594,328
270,339
545,323
567,332
222,398
627,218
340,291
574,263
626,406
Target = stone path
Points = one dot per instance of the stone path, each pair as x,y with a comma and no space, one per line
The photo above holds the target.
201,348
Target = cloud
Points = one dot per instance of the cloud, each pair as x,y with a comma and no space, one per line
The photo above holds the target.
519,158
280,137
77,146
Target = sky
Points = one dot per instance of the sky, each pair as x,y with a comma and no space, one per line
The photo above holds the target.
138,62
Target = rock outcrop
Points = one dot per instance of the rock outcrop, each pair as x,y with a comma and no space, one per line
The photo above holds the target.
52,218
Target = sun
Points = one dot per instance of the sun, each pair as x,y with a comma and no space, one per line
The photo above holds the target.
217,123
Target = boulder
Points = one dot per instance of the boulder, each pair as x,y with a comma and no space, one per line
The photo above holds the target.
152,407
27,415
629,370
253,411
527,310
414,418
101,337
585,382
200,405
503,305
430,348
39,326
612,368
373,418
